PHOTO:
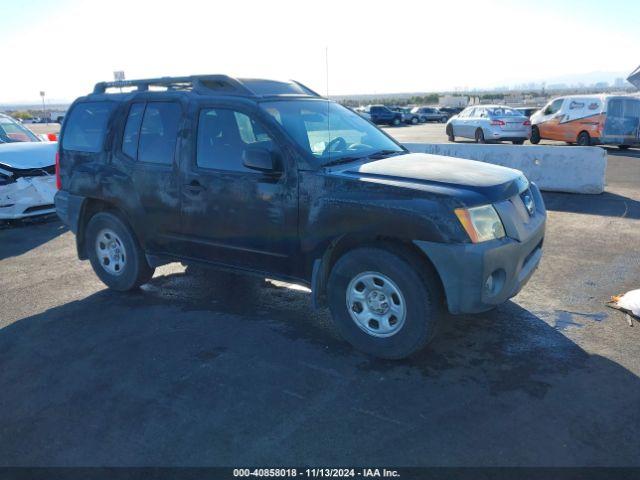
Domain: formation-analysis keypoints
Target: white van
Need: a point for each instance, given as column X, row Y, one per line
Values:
column 589, row 120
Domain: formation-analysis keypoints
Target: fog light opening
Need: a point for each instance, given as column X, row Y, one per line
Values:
column 494, row 282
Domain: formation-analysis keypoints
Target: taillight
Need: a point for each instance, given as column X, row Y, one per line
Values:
column 527, row 123
column 498, row 123
column 52, row 137
column 58, row 179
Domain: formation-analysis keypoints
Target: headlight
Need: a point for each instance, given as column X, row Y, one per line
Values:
column 481, row 223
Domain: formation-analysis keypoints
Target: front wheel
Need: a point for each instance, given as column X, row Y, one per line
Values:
column 443, row 120
column 382, row 304
column 395, row 122
column 624, row 147
column 414, row 120
column 115, row 254
column 450, row 135
column 535, row 136
column 518, row 142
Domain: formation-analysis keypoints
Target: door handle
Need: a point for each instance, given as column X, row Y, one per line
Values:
column 194, row 187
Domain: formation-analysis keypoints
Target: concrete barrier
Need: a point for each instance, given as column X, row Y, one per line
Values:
column 552, row 168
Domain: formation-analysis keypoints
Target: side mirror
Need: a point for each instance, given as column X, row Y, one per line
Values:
column 261, row 159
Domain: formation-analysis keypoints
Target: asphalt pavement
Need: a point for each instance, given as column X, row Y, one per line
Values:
column 201, row 368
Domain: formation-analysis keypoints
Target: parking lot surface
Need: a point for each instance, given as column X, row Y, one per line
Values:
column 203, row 368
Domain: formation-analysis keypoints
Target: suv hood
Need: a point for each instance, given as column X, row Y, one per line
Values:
column 468, row 178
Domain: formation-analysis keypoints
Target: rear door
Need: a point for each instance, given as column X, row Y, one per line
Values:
column 232, row 214
column 622, row 122
column 145, row 176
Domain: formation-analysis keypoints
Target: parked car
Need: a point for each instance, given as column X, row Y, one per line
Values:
column 589, row 120
column 14, row 131
column 407, row 115
column 270, row 178
column 451, row 111
column 489, row 123
column 383, row 115
column 430, row 114
column 363, row 112
column 527, row 111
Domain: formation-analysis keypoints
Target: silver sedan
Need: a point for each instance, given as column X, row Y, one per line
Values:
column 488, row 123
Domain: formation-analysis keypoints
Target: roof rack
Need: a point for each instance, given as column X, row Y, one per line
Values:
column 207, row 84
column 634, row 78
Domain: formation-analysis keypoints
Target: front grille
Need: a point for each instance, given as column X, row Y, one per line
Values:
column 532, row 252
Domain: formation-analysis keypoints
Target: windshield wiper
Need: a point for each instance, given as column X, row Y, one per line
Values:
column 384, row 153
column 341, row 160
column 374, row 156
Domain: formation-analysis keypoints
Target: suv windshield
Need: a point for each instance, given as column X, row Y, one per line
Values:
column 12, row 131
column 329, row 131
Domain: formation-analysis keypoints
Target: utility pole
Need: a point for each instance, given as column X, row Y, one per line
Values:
column 44, row 113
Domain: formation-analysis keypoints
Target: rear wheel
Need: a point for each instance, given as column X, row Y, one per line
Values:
column 382, row 304
column 414, row 120
column 624, row 147
column 450, row 135
column 115, row 254
column 480, row 136
column 517, row 142
column 584, row 139
column 535, row 135
column 443, row 120
column 395, row 122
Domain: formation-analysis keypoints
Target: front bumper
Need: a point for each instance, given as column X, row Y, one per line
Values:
column 464, row 268
column 27, row 197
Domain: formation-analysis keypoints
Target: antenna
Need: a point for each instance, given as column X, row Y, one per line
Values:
column 326, row 67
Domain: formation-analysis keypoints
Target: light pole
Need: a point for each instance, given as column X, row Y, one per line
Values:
column 44, row 113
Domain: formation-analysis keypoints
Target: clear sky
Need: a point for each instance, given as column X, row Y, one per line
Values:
column 65, row 46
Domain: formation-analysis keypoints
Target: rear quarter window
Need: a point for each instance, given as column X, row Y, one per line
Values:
column 86, row 126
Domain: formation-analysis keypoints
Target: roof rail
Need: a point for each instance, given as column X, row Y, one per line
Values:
column 307, row 89
column 200, row 83
column 634, row 78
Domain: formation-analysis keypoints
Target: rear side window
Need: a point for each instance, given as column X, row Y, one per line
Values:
column 159, row 132
column 86, row 126
column 132, row 130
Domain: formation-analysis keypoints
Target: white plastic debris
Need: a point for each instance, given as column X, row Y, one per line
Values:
column 630, row 301
column 27, row 179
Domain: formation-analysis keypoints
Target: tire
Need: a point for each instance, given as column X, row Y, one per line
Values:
column 414, row 120
column 535, row 135
column 444, row 120
column 518, row 142
column 480, row 136
column 624, row 147
column 395, row 122
column 108, row 230
column 419, row 296
column 450, row 133
column 584, row 139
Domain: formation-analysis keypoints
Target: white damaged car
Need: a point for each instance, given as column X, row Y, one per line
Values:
column 27, row 179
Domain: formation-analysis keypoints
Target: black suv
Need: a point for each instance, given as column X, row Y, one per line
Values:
column 382, row 115
column 270, row 178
